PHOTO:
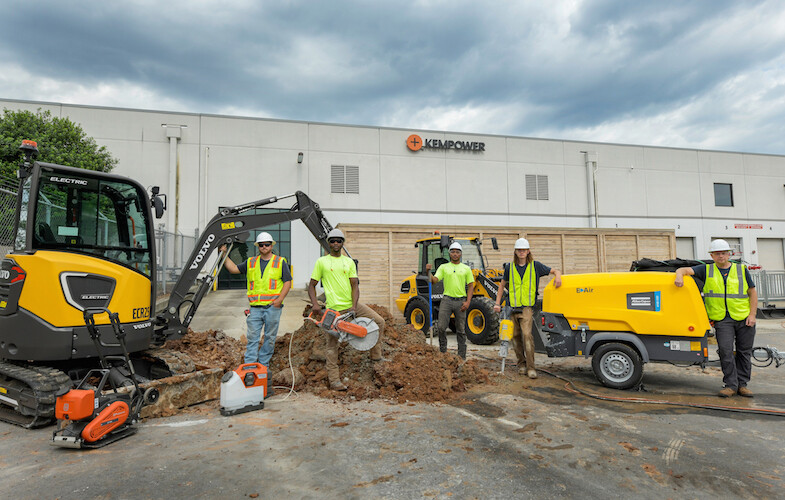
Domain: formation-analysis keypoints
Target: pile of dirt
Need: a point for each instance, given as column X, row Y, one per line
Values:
column 414, row 370
column 210, row 349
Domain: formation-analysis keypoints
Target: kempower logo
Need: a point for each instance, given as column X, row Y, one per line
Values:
column 202, row 252
column 415, row 143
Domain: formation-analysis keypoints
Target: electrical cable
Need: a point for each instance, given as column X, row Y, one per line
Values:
column 291, row 367
column 576, row 390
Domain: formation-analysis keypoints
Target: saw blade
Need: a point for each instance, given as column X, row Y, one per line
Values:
column 367, row 342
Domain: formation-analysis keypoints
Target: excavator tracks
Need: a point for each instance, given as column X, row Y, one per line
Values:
column 28, row 393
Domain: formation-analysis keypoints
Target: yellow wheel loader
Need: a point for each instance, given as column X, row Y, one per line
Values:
column 419, row 299
column 84, row 241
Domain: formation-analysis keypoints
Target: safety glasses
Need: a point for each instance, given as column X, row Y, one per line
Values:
column 265, row 244
column 335, row 240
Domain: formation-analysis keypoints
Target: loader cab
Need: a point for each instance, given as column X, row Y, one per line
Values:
column 433, row 252
column 85, row 212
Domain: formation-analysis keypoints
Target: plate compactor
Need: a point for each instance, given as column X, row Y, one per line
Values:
column 104, row 407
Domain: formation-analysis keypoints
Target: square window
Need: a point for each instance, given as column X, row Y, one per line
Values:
column 723, row 195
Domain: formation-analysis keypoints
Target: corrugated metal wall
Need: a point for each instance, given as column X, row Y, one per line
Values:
column 387, row 255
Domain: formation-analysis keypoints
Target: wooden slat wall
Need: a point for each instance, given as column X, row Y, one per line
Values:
column 373, row 254
column 387, row 254
column 618, row 250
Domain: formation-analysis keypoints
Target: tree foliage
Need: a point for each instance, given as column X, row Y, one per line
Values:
column 59, row 141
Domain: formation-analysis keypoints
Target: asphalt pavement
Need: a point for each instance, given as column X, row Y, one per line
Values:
column 515, row 438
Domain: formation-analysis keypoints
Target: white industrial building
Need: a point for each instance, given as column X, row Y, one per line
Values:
column 383, row 176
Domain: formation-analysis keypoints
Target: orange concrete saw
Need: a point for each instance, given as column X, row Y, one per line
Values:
column 361, row 333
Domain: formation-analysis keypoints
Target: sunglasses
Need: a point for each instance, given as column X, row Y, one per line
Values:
column 335, row 240
column 265, row 244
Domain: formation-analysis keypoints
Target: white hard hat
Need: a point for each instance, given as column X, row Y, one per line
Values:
column 336, row 233
column 456, row 246
column 719, row 246
column 521, row 243
column 265, row 237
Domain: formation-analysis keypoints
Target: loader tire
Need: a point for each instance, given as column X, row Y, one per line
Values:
column 482, row 322
column 617, row 365
column 417, row 314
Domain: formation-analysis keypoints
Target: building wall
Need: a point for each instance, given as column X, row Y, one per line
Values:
column 225, row 160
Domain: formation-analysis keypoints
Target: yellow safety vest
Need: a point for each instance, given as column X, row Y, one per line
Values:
column 523, row 289
column 265, row 287
column 717, row 293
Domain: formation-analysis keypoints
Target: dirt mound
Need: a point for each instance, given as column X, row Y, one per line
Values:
column 210, row 349
column 415, row 371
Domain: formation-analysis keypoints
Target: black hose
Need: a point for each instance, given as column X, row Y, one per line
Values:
column 575, row 389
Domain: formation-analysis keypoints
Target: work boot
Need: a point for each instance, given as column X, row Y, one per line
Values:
column 532, row 373
column 743, row 391
column 522, row 370
column 726, row 392
column 338, row 386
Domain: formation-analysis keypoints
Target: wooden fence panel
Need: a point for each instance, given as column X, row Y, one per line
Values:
column 618, row 250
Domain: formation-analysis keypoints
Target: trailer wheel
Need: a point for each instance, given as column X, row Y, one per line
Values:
column 482, row 322
column 417, row 315
column 617, row 365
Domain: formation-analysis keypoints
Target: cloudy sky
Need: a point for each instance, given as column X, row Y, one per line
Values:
column 703, row 74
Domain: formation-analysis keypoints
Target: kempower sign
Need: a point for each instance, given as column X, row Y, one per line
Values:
column 415, row 143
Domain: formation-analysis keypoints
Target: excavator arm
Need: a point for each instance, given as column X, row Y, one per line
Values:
column 229, row 226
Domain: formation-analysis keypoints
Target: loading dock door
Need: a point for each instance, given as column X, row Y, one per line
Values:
column 685, row 248
column 770, row 254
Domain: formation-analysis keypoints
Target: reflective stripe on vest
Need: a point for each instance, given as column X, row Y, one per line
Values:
column 522, row 289
column 265, row 287
column 717, row 292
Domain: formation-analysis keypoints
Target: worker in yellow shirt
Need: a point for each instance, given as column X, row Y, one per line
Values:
column 338, row 275
column 458, row 282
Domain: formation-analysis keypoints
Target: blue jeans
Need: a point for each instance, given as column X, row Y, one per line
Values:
column 267, row 317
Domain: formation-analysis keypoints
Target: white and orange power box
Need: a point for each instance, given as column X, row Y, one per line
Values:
column 243, row 389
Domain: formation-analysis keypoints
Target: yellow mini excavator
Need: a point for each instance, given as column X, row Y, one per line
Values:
column 84, row 241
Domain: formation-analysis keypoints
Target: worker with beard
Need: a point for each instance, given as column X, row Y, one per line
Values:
column 268, row 282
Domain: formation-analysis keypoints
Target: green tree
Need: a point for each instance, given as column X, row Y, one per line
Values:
column 59, row 141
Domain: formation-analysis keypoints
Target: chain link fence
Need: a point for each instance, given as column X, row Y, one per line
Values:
column 8, row 189
column 172, row 250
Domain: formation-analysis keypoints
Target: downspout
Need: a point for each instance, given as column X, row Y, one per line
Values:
column 590, row 161
column 174, row 133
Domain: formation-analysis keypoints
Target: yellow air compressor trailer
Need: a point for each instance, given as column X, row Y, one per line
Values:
column 623, row 320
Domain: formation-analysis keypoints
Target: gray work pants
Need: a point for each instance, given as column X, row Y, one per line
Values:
column 447, row 307
column 736, row 368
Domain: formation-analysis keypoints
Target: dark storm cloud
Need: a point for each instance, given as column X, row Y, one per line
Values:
column 509, row 67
